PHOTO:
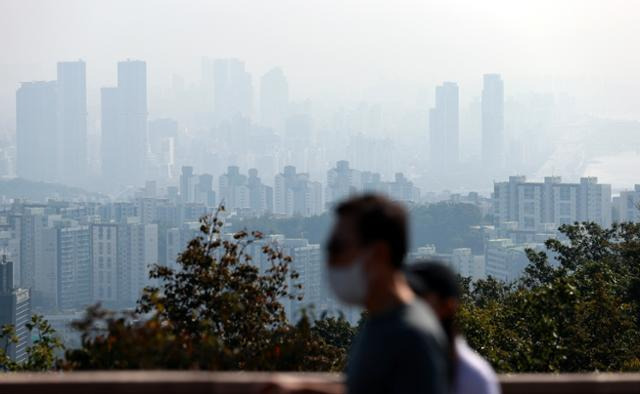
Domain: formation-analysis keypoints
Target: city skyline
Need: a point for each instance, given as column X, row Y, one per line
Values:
column 275, row 185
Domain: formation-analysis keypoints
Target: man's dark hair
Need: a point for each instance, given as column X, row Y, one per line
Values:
column 428, row 276
column 378, row 219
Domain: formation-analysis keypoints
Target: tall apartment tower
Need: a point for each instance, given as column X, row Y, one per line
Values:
column 493, row 123
column 124, row 125
column 15, row 309
column 187, row 184
column 121, row 255
column 295, row 194
column 342, row 182
column 629, row 205
column 132, row 83
column 274, row 99
column 234, row 192
column 74, row 267
column 36, row 131
column 113, row 161
column 232, row 90
column 444, row 128
column 72, row 122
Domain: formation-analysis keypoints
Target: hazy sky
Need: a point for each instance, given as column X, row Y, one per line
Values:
column 338, row 48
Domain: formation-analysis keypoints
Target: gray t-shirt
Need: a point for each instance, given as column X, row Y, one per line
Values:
column 401, row 351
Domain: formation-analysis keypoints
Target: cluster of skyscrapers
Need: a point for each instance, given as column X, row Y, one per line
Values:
column 51, row 126
column 69, row 258
column 525, row 215
column 52, row 142
column 444, row 127
column 62, row 256
column 292, row 194
column 70, row 255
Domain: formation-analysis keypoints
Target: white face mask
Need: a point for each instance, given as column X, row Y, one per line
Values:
column 349, row 283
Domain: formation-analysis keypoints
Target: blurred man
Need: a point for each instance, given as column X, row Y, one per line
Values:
column 438, row 285
column 401, row 348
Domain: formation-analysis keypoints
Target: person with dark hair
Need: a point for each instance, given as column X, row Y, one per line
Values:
column 438, row 285
column 401, row 347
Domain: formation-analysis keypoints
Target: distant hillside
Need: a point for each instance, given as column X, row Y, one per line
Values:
column 42, row 191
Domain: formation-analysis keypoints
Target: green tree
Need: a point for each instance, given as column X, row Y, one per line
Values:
column 41, row 354
column 218, row 311
column 582, row 314
column 446, row 225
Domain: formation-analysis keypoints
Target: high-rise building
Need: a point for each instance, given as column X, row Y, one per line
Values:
column 493, row 123
column 74, row 267
column 233, row 90
column 106, row 252
column 141, row 245
column 505, row 261
column 260, row 195
column 163, row 134
column 187, row 184
column 401, row 189
column 204, row 190
column 444, row 128
column 124, row 125
column 629, row 205
column 177, row 239
column 15, row 309
column 296, row 194
column 37, row 131
column 342, row 182
column 121, row 258
column 274, row 99
column 114, row 164
column 534, row 204
column 72, row 122
column 132, row 84
column 234, row 193
column 307, row 262
column 38, row 256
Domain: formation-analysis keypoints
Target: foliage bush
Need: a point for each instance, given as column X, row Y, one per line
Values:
column 582, row 314
column 219, row 312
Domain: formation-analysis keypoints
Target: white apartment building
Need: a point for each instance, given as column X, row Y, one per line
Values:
column 296, row 194
column 104, row 261
column 629, row 205
column 505, row 260
column 532, row 204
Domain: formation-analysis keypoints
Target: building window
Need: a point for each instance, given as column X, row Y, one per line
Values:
column 529, row 208
column 631, row 202
column 529, row 223
column 529, row 192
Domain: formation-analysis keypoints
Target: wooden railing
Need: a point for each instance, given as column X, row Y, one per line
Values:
column 192, row 382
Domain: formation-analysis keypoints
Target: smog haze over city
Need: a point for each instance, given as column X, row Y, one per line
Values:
column 359, row 79
column 135, row 135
